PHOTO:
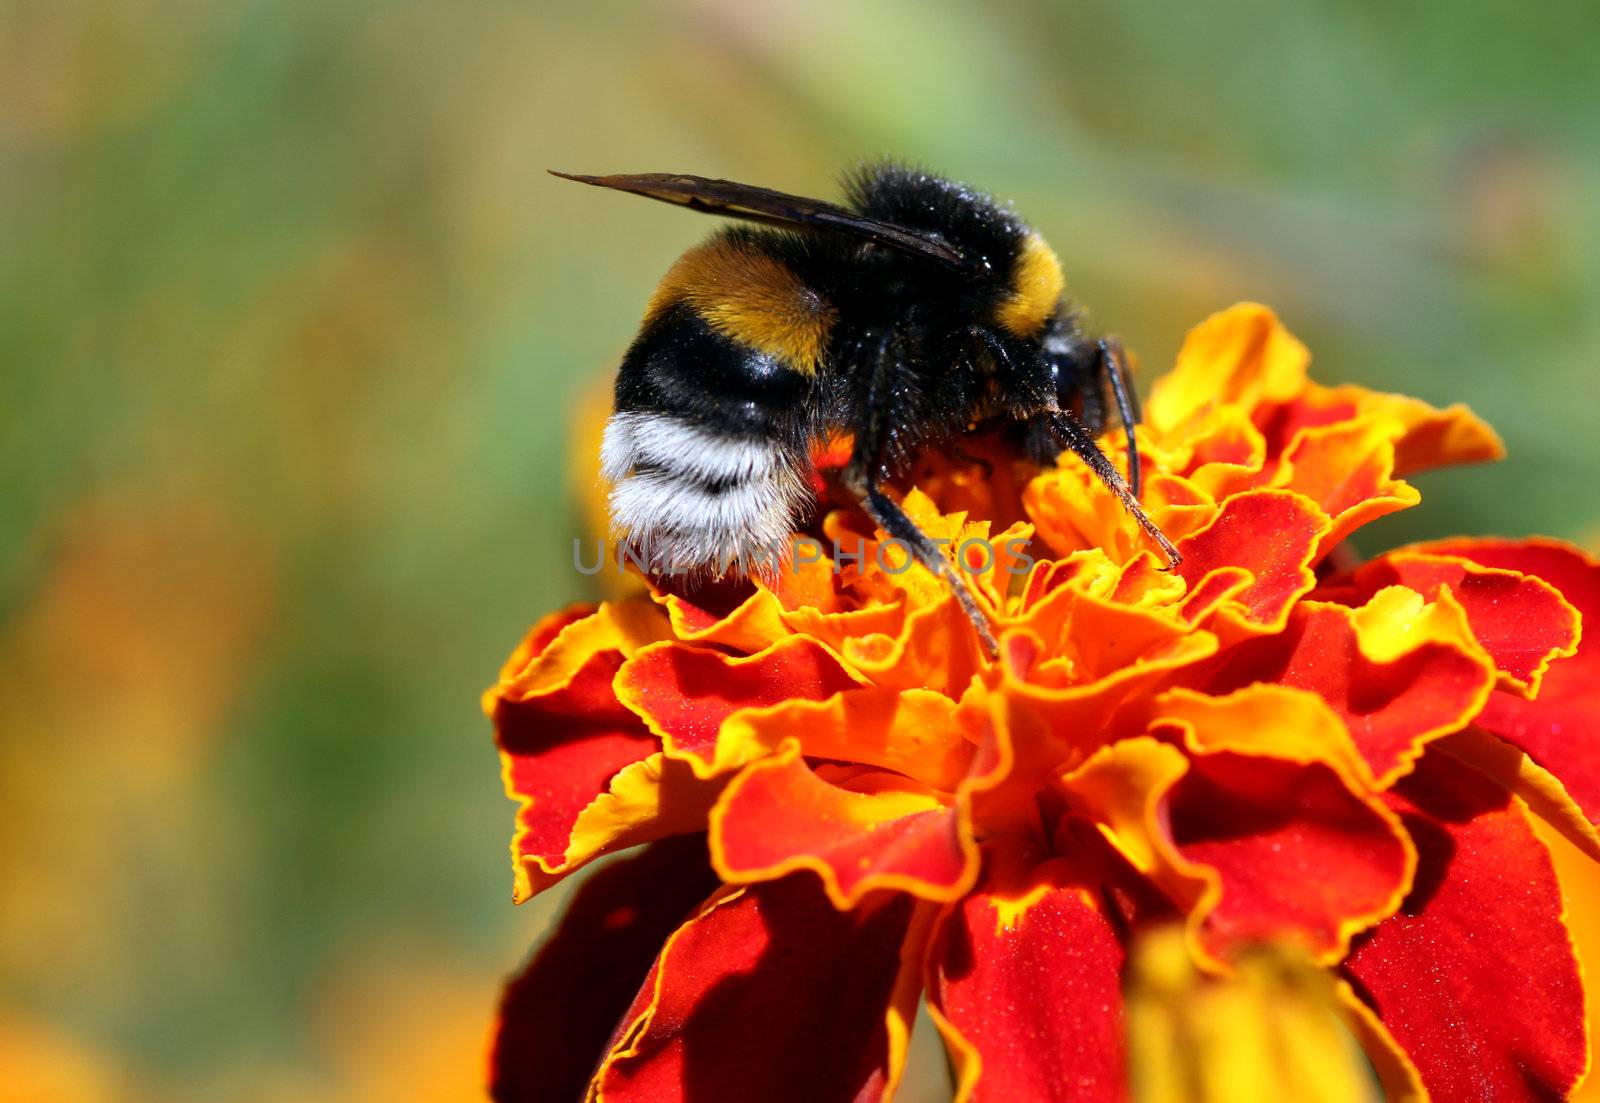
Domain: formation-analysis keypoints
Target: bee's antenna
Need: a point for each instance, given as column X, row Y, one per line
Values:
column 1115, row 365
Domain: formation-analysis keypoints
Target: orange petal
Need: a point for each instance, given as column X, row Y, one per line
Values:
column 1089, row 626
column 1431, row 437
column 875, row 831
column 651, row 799
column 539, row 638
column 935, row 648
column 837, row 627
column 914, row 732
column 558, row 645
column 1277, row 721
column 752, row 625
column 772, row 993
column 1071, row 511
column 1046, row 720
column 1229, row 456
column 807, row 582
column 1242, row 356
column 1024, row 982
column 1124, row 790
column 685, row 693
column 1347, row 469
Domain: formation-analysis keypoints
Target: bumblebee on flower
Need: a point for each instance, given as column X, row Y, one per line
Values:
column 851, row 807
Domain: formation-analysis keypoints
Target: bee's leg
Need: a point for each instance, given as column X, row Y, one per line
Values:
column 875, row 438
column 1077, row 438
column 888, row 516
column 1114, row 363
column 1092, row 414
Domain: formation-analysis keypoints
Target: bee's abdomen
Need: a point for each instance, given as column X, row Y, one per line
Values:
column 738, row 283
column 705, row 450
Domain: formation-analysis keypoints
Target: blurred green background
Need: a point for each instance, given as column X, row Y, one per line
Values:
column 292, row 321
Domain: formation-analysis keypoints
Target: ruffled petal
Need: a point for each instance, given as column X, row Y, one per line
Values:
column 1521, row 621
column 1560, row 727
column 1268, row 831
column 1430, row 437
column 1264, row 540
column 868, row 830
column 1298, row 857
column 1348, row 469
column 752, row 625
column 1053, row 700
column 1475, row 976
column 1024, row 982
column 769, row 992
column 1397, row 672
column 914, row 732
column 1124, row 790
column 558, row 1014
column 685, row 693
column 651, row 799
column 1242, row 356
column 934, row 648
column 563, row 736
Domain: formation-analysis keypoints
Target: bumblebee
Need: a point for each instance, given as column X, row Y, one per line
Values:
column 915, row 312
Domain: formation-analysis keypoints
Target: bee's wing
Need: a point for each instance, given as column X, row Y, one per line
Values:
column 775, row 208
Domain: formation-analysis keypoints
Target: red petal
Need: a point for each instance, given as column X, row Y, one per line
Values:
column 1347, row 469
column 1298, row 855
column 560, row 748
column 1560, row 728
column 1432, row 687
column 685, row 693
column 1475, row 976
column 1285, row 423
column 560, row 1011
column 1521, row 621
column 771, row 993
column 1271, row 533
column 1024, row 981
column 875, row 831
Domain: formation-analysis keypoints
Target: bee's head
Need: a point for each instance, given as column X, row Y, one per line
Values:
column 1068, row 367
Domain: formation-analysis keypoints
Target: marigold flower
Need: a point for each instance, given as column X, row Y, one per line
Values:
column 850, row 807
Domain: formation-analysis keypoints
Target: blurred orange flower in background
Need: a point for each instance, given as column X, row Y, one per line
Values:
column 851, row 808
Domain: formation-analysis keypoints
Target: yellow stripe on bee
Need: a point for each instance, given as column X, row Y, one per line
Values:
column 1036, row 288
column 751, row 297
